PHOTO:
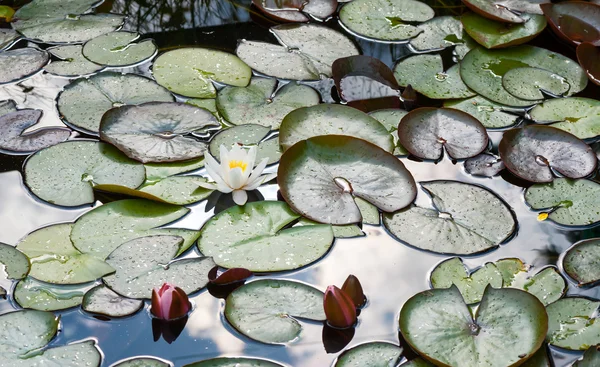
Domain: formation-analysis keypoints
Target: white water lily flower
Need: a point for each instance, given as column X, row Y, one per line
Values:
column 236, row 172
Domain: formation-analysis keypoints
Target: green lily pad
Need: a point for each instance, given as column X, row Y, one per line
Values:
column 209, row 104
column 72, row 63
column 541, row 358
column 455, row 225
column 158, row 171
column 374, row 354
column 307, row 52
column 157, row 131
column 437, row 34
column 260, row 104
column 332, row 119
column 25, row 333
column 508, row 327
column 539, row 81
column 369, row 212
column 101, row 230
column 102, row 300
column 573, row 323
column 16, row 264
column 117, row 49
column 390, row 118
column 485, row 165
column 253, row 237
column 55, row 22
column 7, row 106
column 425, row 73
column 385, row 20
column 14, row 140
column 581, row 262
column 234, row 362
column 8, row 38
column 84, row 101
column 568, row 202
column 494, row 34
column 454, row 272
column 155, row 266
column 508, row 11
column 190, row 71
column 55, row 260
column 535, row 151
column 428, row 131
column 143, row 362
column 590, row 358
column 320, row 177
column 576, row 115
column 21, row 64
column 64, row 174
column 483, row 70
column 248, row 135
column 33, row 294
column 489, row 113
column 265, row 310
column 417, row 362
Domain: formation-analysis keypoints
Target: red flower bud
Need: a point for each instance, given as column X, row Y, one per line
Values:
column 353, row 289
column 339, row 308
column 169, row 302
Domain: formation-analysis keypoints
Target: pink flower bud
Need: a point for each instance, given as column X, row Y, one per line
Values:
column 169, row 302
column 353, row 288
column 339, row 308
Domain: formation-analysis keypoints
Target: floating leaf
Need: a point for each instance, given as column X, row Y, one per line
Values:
column 587, row 54
column 293, row 10
column 154, row 265
column 16, row 264
column 101, row 230
column 437, row 34
column 253, row 237
column 73, row 64
column 591, row 358
column 569, row 202
column 374, row 354
column 505, row 10
column 483, row 70
column 390, row 118
column 265, row 310
column 575, row 22
column 581, row 262
column 103, row 301
column 7, row 107
column 363, row 77
column 24, row 335
column 260, row 104
column 489, row 113
column 307, row 52
column 543, row 82
column 417, row 362
column 494, row 34
column 385, row 20
column 573, row 323
column 248, row 135
column 15, row 140
column 234, row 362
column 36, row 295
column 229, row 276
column 426, row 132
column 143, row 362
column 84, row 101
column 64, row 174
column 55, row 260
column 508, row 327
column 8, row 38
column 49, row 21
column 190, row 71
column 484, row 164
column 320, row 177
column 455, row 225
column 425, row 73
column 158, row 171
column 576, row 115
column 535, row 151
column 157, row 131
column 331, row 119
column 117, row 49
column 21, row 63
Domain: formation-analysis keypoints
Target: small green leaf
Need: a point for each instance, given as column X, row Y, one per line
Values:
column 573, row 323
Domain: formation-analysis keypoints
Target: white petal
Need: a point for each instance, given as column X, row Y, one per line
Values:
column 258, row 171
column 213, row 169
column 225, row 157
column 223, row 153
column 240, row 197
column 262, row 179
column 225, row 189
column 236, row 178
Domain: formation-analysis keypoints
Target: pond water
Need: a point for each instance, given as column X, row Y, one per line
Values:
column 390, row 271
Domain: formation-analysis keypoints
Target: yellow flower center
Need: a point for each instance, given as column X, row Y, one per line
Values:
column 238, row 164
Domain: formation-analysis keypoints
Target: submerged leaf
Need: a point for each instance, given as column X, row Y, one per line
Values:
column 581, row 262
column 14, row 139
column 117, row 49
column 21, row 63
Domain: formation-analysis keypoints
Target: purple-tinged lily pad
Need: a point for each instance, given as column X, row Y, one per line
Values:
column 101, row 300
column 574, row 21
column 581, row 262
column 534, row 152
column 588, row 56
column 485, row 165
column 15, row 140
column 576, row 115
column 294, row 10
column 364, row 77
column 22, row 63
column 494, row 34
column 426, row 132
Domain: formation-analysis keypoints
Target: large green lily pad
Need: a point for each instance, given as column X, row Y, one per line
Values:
column 581, row 262
column 64, row 174
column 425, row 73
column 437, row 34
column 540, row 82
column 21, row 63
column 573, row 323
column 267, row 144
column 332, row 119
column 14, row 262
column 373, row 354
column 494, row 34
column 320, row 177
column 190, row 71
column 508, row 327
column 253, row 237
column 385, row 20
column 143, row 362
column 456, row 224
column 101, row 230
column 508, row 11
column 569, row 202
column 72, row 63
column 14, row 139
column 576, row 115
column 102, row 300
column 390, row 118
column 234, row 362
column 117, row 49
column 33, row 294
column 154, row 266
column 159, row 171
column 489, row 113
column 55, row 260
column 84, row 101
column 265, row 310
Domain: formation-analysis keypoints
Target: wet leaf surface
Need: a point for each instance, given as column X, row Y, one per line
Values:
column 21, row 63
column 505, row 10
column 573, row 323
column 36, row 295
column 14, row 139
column 72, row 63
column 437, row 34
column 143, row 362
column 373, row 354
column 494, row 34
column 390, row 118
column 248, row 135
column 543, row 83
column 118, row 49
column 490, row 114
column 581, row 261
column 576, row 115
column 485, row 165
column 587, row 54
column 575, row 22
column 363, row 77
column 234, row 362
column 16, row 264
column 103, row 301
column 292, row 10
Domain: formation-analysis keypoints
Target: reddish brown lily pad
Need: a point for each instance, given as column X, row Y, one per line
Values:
column 588, row 56
column 229, row 276
column 364, row 77
column 296, row 10
column 574, row 21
